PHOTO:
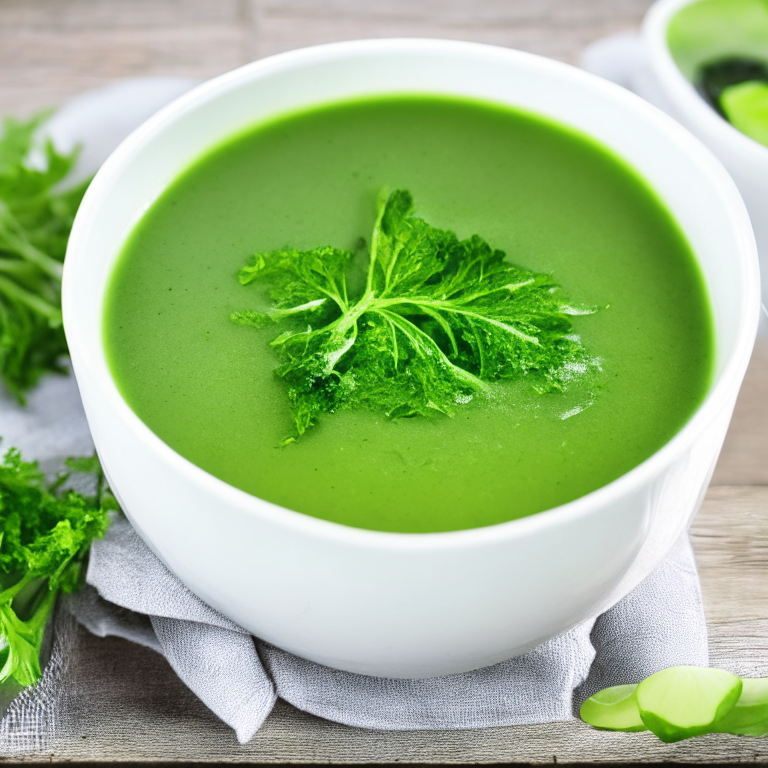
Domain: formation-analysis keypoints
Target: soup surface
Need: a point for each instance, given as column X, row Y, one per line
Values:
column 552, row 199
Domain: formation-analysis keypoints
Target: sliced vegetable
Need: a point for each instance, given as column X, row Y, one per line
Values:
column 680, row 702
column 613, row 709
column 749, row 715
column 746, row 107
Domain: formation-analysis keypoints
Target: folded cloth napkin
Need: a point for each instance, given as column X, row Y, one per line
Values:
column 133, row 595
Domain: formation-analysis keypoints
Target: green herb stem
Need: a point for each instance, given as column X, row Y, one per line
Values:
column 438, row 320
column 45, row 533
column 35, row 220
column 31, row 300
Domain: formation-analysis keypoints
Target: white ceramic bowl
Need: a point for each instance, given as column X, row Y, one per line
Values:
column 405, row 605
column 659, row 80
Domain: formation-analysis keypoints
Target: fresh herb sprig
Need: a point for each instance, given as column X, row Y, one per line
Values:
column 45, row 532
column 35, row 221
column 438, row 319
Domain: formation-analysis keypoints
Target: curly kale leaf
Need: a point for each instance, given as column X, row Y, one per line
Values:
column 35, row 221
column 439, row 318
column 45, row 533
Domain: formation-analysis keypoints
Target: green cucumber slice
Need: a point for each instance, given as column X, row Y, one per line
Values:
column 680, row 702
column 749, row 715
column 746, row 107
column 613, row 709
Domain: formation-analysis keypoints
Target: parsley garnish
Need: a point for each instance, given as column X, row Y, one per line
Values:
column 35, row 220
column 438, row 319
column 45, row 533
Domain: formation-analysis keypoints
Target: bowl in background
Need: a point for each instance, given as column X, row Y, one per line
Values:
column 667, row 83
column 409, row 605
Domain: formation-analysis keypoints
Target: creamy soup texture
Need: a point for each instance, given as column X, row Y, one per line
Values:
column 552, row 199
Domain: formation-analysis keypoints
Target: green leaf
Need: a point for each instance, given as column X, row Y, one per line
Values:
column 613, row 709
column 438, row 320
column 45, row 533
column 35, row 220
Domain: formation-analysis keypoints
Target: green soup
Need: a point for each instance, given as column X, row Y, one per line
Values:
column 552, row 199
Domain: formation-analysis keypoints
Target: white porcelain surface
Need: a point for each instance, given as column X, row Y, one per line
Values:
column 397, row 604
column 659, row 80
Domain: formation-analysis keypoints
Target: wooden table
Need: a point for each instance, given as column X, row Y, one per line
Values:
column 51, row 50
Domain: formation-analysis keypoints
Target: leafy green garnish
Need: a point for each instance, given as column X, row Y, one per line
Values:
column 45, row 532
column 437, row 319
column 35, row 221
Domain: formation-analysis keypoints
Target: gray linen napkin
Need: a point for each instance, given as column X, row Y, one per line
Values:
column 133, row 595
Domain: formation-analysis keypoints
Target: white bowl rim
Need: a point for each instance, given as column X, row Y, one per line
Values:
column 717, row 398
column 678, row 89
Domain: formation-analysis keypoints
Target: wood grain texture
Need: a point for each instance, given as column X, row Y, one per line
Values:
column 548, row 27
column 730, row 537
column 52, row 49
column 67, row 15
column 744, row 458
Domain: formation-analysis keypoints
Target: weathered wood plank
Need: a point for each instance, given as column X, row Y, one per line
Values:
column 113, row 14
column 550, row 28
column 51, row 51
column 121, row 52
column 161, row 718
column 730, row 536
column 744, row 459
column 291, row 736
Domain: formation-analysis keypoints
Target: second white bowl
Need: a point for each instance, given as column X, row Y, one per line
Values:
column 403, row 605
column 659, row 80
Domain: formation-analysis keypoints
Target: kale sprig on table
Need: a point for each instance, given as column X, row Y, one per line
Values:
column 35, row 221
column 438, row 319
column 45, row 532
